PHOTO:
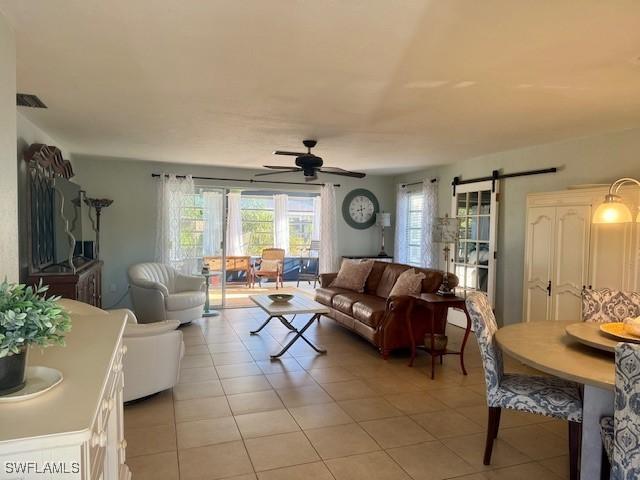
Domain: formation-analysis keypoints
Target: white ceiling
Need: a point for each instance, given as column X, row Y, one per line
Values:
column 386, row 86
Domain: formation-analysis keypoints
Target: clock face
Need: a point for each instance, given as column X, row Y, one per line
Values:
column 359, row 208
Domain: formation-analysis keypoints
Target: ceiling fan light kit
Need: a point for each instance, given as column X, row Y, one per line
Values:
column 309, row 164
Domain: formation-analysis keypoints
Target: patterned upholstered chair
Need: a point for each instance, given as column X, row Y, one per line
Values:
column 547, row 396
column 604, row 305
column 621, row 433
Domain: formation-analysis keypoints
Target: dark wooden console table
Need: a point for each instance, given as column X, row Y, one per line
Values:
column 437, row 305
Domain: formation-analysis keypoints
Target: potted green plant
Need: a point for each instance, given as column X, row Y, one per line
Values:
column 27, row 317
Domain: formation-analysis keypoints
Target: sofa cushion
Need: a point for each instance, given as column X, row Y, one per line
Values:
column 369, row 310
column 353, row 275
column 344, row 301
column 184, row 300
column 325, row 295
column 409, row 283
column 374, row 277
column 391, row 273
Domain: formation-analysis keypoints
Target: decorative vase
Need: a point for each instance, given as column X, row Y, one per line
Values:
column 439, row 342
column 12, row 372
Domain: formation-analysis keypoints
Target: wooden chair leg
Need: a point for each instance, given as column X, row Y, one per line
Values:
column 575, row 442
column 492, row 432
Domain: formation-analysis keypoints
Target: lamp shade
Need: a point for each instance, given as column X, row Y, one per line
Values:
column 383, row 219
column 612, row 210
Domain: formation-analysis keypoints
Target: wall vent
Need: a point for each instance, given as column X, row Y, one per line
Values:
column 27, row 100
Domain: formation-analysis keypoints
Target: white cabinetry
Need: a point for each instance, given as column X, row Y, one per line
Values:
column 565, row 252
column 74, row 431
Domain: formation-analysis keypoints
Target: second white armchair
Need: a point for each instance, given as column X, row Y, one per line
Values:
column 159, row 292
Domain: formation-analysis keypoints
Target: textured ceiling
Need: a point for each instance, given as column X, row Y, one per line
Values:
column 384, row 86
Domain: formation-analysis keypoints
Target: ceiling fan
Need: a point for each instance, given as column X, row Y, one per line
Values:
column 309, row 164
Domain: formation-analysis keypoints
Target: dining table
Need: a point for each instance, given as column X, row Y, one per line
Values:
column 574, row 351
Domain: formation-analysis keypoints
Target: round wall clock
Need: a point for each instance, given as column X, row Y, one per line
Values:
column 359, row 208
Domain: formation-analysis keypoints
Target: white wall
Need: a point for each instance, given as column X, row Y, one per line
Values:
column 128, row 226
column 597, row 159
column 8, row 167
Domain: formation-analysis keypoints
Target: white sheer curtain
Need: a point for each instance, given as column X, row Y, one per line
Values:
column 213, row 211
column 172, row 238
column 281, row 221
column 328, row 230
column 429, row 253
column 401, row 243
column 317, row 215
column 234, row 224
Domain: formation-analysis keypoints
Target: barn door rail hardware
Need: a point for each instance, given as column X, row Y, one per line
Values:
column 496, row 175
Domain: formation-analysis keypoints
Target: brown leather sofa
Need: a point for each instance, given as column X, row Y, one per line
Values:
column 381, row 319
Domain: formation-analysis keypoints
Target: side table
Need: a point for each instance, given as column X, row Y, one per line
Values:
column 437, row 305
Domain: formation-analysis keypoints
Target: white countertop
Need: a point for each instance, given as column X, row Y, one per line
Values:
column 84, row 363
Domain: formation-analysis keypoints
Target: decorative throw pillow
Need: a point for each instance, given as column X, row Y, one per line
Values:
column 269, row 265
column 408, row 283
column 353, row 275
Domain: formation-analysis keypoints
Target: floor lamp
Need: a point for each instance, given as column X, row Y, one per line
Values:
column 612, row 210
column 446, row 232
column 383, row 219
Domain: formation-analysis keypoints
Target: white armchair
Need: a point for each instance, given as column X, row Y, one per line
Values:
column 159, row 292
column 154, row 351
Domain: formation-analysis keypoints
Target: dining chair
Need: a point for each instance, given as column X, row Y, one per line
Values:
column 604, row 305
column 621, row 433
column 269, row 265
column 549, row 396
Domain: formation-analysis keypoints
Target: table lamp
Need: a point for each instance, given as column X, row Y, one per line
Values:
column 446, row 232
column 384, row 220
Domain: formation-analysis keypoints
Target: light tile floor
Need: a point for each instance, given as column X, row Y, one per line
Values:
column 344, row 415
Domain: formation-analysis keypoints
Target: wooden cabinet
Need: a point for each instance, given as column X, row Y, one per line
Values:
column 85, row 285
column 565, row 252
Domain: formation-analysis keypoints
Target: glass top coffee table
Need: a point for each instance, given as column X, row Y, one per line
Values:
column 298, row 305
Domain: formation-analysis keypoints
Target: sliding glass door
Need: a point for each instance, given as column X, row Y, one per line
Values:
column 212, row 205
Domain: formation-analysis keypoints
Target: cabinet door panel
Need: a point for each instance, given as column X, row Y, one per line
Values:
column 571, row 257
column 538, row 262
column 610, row 254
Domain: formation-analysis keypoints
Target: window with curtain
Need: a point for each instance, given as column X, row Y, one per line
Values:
column 301, row 223
column 416, row 210
column 414, row 228
column 258, row 216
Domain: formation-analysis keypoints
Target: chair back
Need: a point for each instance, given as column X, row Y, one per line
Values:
column 485, row 327
column 605, row 305
column 625, row 462
column 273, row 254
column 154, row 272
column 314, row 248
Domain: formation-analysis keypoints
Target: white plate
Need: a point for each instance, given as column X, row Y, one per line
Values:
column 39, row 380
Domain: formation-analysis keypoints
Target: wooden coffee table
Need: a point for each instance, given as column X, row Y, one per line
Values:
column 298, row 305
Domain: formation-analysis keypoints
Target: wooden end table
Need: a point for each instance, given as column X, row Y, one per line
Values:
column 438, row 305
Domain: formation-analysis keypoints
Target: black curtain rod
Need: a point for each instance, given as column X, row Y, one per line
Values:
column 433, row 180
column 250, row 180
column 496, row 175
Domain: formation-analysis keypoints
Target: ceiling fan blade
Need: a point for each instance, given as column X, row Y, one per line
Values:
column 340, row 171
column 278, row 167
column 293, row 154
column 291, row 170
